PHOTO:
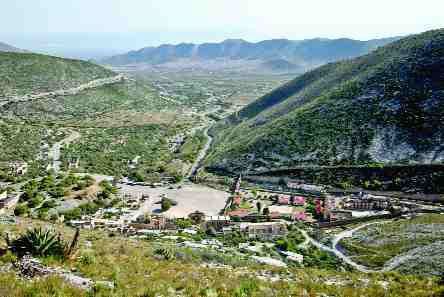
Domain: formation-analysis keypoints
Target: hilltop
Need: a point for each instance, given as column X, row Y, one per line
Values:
column 9, row 48
column 384, row 107
column 277, row 55
column 25, row 73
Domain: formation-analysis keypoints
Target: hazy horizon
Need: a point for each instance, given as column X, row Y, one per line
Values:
column 90, row 29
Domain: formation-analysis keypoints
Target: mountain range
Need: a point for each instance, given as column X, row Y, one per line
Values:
column 385, row 107
column 277, row 55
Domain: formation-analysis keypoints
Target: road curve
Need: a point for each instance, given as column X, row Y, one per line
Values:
column 337, row 253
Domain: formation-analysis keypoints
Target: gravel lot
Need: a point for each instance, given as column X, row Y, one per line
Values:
column 190, row 197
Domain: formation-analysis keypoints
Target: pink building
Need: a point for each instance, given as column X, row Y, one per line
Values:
column 284, row 200
column 298, row 200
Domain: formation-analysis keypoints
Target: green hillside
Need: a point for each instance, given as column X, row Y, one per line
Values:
column 384, row 107
column 117, row 107
column 24, row 73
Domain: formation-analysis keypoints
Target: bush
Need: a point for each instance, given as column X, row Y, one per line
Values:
column 87, row 259
column 21, row 209
column 166, row 204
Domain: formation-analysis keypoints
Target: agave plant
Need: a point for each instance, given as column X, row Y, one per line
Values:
column 41, row 243
column 166, row 253
column 37, row 242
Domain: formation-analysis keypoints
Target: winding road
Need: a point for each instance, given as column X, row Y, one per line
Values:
column 334, row 249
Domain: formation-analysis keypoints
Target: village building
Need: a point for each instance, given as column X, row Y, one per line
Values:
column 298, row 200
column 299, row 216
column 266, row 230
column 73, row 163
column 15, row 167
column 240, row 213
column 284, row 200
column 156, row 222
column 217, row 222
column 338, row 215
column 300, row 186
column 368, row 202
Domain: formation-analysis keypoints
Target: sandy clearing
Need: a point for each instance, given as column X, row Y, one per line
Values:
column 190, row 197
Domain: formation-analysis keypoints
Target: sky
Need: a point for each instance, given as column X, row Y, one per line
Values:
column 100, row 27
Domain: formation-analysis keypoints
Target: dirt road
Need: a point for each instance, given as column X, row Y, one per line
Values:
column 64, row 92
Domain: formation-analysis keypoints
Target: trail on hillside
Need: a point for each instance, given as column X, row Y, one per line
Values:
column 63, row 92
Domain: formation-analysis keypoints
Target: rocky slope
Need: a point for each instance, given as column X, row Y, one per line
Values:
column 387, row 106
column 278, row 55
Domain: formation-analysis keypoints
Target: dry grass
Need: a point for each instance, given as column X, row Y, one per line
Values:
column 131, row 264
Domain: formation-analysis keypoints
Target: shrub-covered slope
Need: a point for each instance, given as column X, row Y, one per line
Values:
column 387, row 106
column 25, row 73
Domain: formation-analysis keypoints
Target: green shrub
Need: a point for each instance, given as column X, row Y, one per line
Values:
column 166, row 204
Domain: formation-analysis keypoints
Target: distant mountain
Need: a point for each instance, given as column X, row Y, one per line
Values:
column 387, row 106
column 275, row 55
column 8, row 48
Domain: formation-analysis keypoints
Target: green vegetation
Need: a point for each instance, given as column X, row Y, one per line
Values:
column 377, row 244
column 109, row 151
column 22, row 74
column 110, row 105
column 340, row 114
column 136, row 270
column 42, row 243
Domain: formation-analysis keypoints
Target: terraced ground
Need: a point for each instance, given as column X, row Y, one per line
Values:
column 412, row 246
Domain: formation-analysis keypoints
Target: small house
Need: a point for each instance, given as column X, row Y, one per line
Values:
column 283, row 200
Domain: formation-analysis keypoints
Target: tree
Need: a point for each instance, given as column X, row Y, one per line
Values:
column 21, row 209
column 259, row 206
column 166, row 204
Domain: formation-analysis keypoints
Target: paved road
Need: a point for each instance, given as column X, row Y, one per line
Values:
column 201, row 155
column 337, row 253
column 349, row 233
column 54, row 152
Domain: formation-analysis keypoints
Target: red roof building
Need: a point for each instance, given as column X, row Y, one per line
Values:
column 241, row 212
